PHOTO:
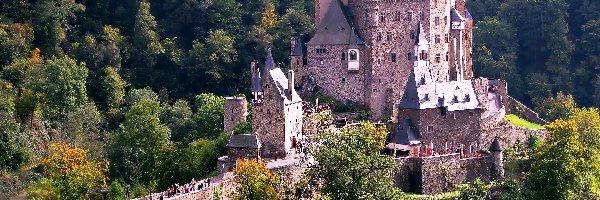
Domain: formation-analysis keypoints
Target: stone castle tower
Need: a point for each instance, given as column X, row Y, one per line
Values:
column 277, row 113
column 363, row 50
column 235, row 112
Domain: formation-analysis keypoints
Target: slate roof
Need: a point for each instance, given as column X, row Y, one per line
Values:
column 422, row 92
column 256, row 86
column 421, row 36
column 281, row 82
column 335, row 28
column 406, row 136
column 455, row 16
column 299, row 48
column 468, row 15
column 244, row 141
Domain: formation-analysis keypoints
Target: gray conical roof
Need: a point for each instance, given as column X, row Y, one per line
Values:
column 335, row 28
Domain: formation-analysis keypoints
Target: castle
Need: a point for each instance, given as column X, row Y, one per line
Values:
column 363, row 50
column 410, row 62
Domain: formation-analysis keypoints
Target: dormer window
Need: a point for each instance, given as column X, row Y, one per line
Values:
column 426, row 97
column 467, row 98
column 353, row 55
column 422, row 80
column 455, row 99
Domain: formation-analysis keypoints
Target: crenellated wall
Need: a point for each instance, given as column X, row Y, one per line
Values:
column 438, row 174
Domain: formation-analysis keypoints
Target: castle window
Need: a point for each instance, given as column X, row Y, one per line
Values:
column 438, row 58
column 437, row 21
column 446, row 37
column 423, row 55
column 446, row 56
column 409, row 16
column 394, row 57
column 321, row 50
column 389, row 36
column 379, row 80
column 378, row 36
column 409, row 57
column 453, row 115
column 343, row 55
column 471, row 114
column 382, row 17
column 438, row 39
column 421, row 15
column 397, row 16
column 321, row 62
column 423, row 83
column 412, row 34
column 467, row 98
column 353, row 55
column 343, row 80
column 430, row 129
column 304, row 61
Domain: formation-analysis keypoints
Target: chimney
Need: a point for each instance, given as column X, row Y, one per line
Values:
column 252, row 71
column 290, row 82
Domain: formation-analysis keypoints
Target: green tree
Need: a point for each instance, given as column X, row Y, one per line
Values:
column 146, row 41
column 178, row 117
column 495, row 44
column 478, row 190
column 15, row 42
column 116, row 191
column 83, row 127
column 254, row 181
column 113, row 87
column 11, row 155
column 63, row 84
column 136, row 143
column 214, row 57
column 560, row 107
column 209, row 116
column 137, row 95
column 51, row 23
column 567, row 165
column 351, row 165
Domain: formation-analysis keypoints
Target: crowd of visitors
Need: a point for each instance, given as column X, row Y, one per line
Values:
column 177, row 190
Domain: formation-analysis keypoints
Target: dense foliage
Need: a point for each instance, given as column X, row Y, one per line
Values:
column 108, row 75
column 351, row 166
column 254, row 181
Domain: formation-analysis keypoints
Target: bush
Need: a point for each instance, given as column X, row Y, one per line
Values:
column 478, row 190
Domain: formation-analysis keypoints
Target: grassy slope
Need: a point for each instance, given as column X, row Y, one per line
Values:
column 517, row 121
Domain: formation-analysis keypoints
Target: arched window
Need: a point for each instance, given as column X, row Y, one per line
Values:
column 343, row 55
column 353, row 55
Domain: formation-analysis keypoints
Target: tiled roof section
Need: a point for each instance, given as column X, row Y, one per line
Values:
column 335, row 29
column 455, row 15
column 269, row 62
column 298, row 49
column 244, row 141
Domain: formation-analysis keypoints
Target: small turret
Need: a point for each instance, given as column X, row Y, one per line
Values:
column 497, row 164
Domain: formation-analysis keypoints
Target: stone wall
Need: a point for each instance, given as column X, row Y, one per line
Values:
column 517, row 108
column 494, row 120
column 331, row 74
column 441, row 128
column 438, row 174
column 235, row 112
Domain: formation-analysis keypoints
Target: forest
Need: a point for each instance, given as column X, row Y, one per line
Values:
column 132, row 90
